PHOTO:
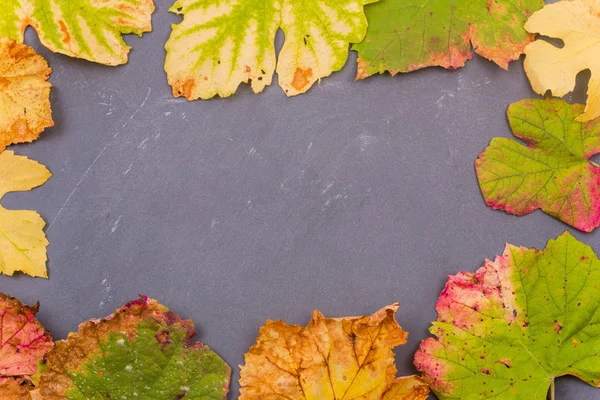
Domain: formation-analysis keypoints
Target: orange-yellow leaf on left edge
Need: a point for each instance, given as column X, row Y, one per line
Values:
column 24, row 93
column 330, row 358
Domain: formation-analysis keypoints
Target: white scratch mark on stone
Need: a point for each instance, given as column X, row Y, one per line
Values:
column 135, row 112
column 76, row 187
column 128, row 169
column 105, row 292
column 327, row 188
column 143, row 143
column 115, row 225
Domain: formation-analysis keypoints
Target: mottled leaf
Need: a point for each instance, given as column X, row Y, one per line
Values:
column 23, row 342
column 552, row 172
column 24, row 93
column 406, row 35
column 221, row 44
column 509, row 329
column 548, row 67
column 88, row 29
column 330, row 358
column 141, row 351
column 22, row 242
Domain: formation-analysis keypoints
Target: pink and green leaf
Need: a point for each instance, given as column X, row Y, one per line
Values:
column 406, row 35
column 553, row 172
column 509, row 329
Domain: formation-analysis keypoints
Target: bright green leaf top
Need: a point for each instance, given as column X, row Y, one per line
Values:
column 553, row 173
column 141, row 352
column 509, row 329
column 406, row 35
column 89, row 29
column 221, row 44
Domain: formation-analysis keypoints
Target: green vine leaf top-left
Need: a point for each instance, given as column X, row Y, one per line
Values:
column 88, row 29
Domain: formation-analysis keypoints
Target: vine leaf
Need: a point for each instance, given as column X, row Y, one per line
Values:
column 330, row 358
column 24, row 341
column 22, row 240
column 509, row 329
column 553, row 172
column 88, row 29
column 577, row 24
column 220, row 44
column 24, row 93
column 143, row 351
column 406, row 35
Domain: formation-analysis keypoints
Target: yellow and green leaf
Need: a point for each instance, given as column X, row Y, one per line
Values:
column 88, row 29
column 220, row 44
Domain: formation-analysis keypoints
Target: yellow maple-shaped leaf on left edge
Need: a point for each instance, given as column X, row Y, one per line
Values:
column 22, row 239
column 24, row 93
column 330, row 358
column 577, row 24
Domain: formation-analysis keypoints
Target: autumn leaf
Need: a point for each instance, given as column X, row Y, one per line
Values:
column 553, row 172
column 23, row 342
column 577, row 24
column 22, row 242
column 509, row 329
column 221, row 44
column 406, row 35
column 24, row 93
column 88, row 29
column 143, row 351
column 330, row 358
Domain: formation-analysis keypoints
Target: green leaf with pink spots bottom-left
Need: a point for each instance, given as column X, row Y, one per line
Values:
column 508, row 330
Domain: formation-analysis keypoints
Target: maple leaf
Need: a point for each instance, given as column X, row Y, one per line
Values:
column 577, row 23
column 143, row 351
column 509, row 329
column 406, row 35
column 220, row 44
column 23, row 342
column 553, row 173
column 24, row 93
column 22, row 240
column 88, row 29
column 330, row 358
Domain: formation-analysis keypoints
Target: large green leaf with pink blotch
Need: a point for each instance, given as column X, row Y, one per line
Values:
column 509, row 329
column 406, row 35
column 88, row 29
column 553, row 172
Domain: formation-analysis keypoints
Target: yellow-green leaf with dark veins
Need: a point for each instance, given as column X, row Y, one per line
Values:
column 222, row 43
column 142, row 351
column 553, row 173
column 406, row 35
column 88, row 29
column 508, row 330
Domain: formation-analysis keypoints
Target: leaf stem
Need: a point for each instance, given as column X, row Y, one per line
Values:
column 552, row 390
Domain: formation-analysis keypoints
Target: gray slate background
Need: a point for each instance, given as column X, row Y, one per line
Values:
column 255, row 207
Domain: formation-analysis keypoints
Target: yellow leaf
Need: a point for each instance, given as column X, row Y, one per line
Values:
column 22, row 240
column 24, row 93
column 577, row 24
column 330, row 358
column 15, row 388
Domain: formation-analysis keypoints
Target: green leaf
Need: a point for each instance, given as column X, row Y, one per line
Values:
column 220, row 44
column 553, row 173
column 88, row 29
column 509, row 329
column 142, row 351
column 406, row 35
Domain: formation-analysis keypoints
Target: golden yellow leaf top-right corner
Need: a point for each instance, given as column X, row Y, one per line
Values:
column 548, row 67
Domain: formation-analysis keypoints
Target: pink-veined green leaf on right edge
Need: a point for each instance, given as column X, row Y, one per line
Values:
column 508, row 330
column 406, row 35
column 551, row 171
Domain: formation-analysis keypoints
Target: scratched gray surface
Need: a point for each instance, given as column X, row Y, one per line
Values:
column 345, row 199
